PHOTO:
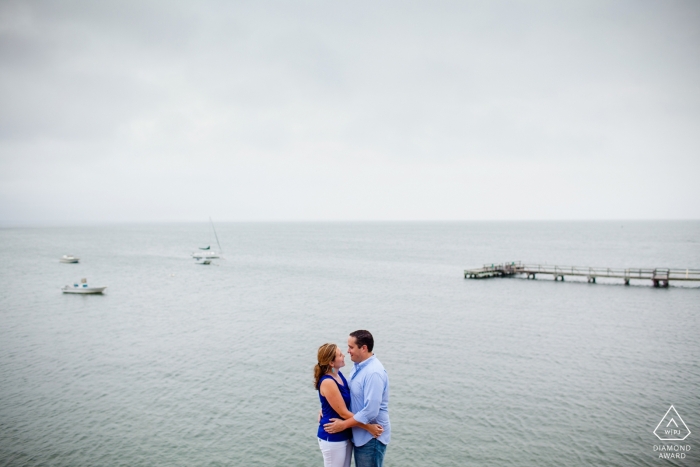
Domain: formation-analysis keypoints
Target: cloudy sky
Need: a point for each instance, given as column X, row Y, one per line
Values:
column 151, row 111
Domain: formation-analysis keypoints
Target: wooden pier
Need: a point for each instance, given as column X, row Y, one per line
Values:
column 660, row 277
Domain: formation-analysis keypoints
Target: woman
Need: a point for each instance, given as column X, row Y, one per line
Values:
column 334, row 393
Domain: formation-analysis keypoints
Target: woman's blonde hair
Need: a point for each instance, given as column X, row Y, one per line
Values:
column 326, row 355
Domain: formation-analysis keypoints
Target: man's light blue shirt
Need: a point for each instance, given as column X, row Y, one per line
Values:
column 369, row 392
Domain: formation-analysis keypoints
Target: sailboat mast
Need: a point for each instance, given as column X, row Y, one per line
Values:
column 217, row 237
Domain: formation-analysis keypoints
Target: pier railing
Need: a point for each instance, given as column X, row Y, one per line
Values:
column 660, row 277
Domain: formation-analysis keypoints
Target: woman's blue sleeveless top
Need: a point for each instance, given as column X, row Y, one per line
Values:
column 329, row 413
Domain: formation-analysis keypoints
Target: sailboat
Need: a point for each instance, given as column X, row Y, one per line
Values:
column 206, row 255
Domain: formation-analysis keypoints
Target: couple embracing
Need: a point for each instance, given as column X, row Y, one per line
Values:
column 354, row 411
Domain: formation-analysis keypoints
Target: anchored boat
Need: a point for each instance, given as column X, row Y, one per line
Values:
column 83, row 288
column 206, row 255
column 69, row 259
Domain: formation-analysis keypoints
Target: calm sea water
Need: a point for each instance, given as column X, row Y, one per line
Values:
column 180, row 364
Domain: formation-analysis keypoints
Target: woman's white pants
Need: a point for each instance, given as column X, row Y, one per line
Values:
column 336, row 453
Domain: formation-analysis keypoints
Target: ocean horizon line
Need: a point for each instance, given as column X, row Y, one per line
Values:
column 44, row 224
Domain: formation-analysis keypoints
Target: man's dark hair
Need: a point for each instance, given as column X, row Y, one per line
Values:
column 363, row 337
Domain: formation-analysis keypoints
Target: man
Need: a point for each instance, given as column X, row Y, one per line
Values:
column 369, row 392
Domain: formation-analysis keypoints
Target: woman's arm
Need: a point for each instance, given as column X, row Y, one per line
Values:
column 330, row 391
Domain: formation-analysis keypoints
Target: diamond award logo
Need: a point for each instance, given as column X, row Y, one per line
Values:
column 671, row 427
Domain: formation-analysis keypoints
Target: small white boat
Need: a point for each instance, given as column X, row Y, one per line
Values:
column 205, row 258
column 83, row 288
column 69, row 259
column 207, row 254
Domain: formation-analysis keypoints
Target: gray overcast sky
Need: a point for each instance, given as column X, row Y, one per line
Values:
column 174, row 111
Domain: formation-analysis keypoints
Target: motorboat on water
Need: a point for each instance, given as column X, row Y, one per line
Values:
column 206, row 255
column 82, row 288
column 69, row 259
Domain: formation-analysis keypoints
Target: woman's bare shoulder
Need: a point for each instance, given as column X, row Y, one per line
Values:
column 328, row 385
